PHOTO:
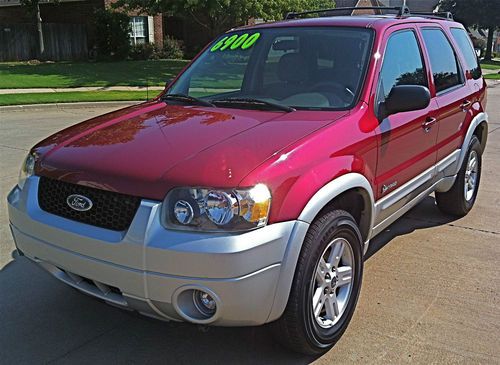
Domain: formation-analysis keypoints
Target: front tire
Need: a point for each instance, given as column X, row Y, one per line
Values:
column 460, row 199
column 326, row 285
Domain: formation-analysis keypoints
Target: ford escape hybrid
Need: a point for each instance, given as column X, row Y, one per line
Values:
column 247, row 192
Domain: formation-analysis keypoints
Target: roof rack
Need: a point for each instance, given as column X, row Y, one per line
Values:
column 438, row 15
column 402, row 10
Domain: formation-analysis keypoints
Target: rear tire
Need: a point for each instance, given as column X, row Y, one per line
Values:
column 326, row 285
column 460, row 199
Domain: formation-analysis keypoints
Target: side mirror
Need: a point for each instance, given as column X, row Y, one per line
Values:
column 404, row 98
column 167, row 83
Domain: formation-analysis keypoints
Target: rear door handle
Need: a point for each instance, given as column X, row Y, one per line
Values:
column 429, row 122
column 465, row 104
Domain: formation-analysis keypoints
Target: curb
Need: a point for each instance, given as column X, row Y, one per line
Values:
column 98, row 104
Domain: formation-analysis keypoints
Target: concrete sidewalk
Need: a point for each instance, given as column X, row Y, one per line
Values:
column 73, row 89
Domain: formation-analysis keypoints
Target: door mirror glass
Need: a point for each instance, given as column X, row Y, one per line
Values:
column 404, row 98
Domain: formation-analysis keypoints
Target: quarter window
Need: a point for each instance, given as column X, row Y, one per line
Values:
column 465, row 45
column 444, row 63
column 402, row 65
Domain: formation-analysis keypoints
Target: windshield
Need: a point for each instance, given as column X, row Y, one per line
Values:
column 298, row 67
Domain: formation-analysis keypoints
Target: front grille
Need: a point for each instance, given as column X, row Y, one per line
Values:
column 109, row 210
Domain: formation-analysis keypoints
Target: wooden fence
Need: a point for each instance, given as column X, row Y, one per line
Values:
column 19, row 42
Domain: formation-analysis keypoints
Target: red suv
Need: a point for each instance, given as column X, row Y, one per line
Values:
column 247, row 192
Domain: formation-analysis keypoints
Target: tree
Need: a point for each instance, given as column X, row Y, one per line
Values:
column 33, row 6
column 112, row 33
column 481, row 14
column 216, row 16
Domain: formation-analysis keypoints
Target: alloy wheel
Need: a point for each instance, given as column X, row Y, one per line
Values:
column 471, row 172
column 332, row 282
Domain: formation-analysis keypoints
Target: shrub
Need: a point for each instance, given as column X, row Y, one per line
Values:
column 172, row 48
column 145, row 51
column 112, row 35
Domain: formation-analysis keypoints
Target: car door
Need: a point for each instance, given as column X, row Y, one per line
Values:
column 453, row 95
column 407, row 140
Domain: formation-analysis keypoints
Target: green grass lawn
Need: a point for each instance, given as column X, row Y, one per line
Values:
column 68, row 97
column 15, row 75
column 493, row 66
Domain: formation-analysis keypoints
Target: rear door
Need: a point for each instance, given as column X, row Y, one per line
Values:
column 453, row 95
column 407, row 143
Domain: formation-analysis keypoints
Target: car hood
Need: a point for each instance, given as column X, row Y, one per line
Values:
column 147, row 149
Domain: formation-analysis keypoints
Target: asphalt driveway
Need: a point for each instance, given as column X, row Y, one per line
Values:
column 431, row 292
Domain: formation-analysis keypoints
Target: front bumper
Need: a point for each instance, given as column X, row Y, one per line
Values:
column 154, row 270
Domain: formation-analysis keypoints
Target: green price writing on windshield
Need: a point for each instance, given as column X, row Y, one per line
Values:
column 242, row 41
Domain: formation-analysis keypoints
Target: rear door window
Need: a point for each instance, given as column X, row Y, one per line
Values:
column 444, row 64
column 465, row 45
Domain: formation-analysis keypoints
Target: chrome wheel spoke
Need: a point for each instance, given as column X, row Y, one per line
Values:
column 336, row 254
column 320, row 276
column 473, row 165
column 332, row 307
column 318, row 301
column 344, row 274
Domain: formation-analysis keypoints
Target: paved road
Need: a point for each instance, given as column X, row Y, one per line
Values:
column 430, row 293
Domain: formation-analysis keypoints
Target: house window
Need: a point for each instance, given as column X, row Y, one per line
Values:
column 139, row 30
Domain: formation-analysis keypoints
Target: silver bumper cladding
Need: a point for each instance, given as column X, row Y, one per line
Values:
column 148, row 268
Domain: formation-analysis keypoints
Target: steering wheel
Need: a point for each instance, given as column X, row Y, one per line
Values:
column 339, row 90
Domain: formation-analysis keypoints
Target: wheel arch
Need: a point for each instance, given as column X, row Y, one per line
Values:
column 481, row 132
column 478, row 127
column 351, row 192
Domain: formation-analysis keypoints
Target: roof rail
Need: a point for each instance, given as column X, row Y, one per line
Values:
column 438, row 15
column 402, row 10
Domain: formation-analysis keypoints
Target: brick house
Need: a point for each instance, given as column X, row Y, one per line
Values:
column 68, row 22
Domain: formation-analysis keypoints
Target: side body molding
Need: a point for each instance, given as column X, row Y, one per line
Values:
column 313, row 207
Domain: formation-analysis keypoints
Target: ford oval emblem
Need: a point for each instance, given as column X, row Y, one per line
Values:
column 79, row 202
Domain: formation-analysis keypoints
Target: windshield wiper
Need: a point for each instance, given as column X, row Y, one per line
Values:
column 186, row 98
column 253, row 101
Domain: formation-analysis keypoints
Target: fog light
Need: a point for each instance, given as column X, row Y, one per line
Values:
column 204, row 303
column 183, row 212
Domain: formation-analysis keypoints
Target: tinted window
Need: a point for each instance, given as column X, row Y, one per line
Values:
column 281, row 46
column 467, row 49
column 316, row 68
column 444, row 63
column 307, row 68
column 402, row 63
column 223, row 72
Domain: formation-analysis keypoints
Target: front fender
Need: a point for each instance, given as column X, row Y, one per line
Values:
column 315, row 204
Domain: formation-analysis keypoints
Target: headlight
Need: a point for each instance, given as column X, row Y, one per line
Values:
column 27, row 169
column 213, row 210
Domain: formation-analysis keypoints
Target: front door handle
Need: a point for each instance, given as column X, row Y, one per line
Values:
column 429, row 122
column 465, row 105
